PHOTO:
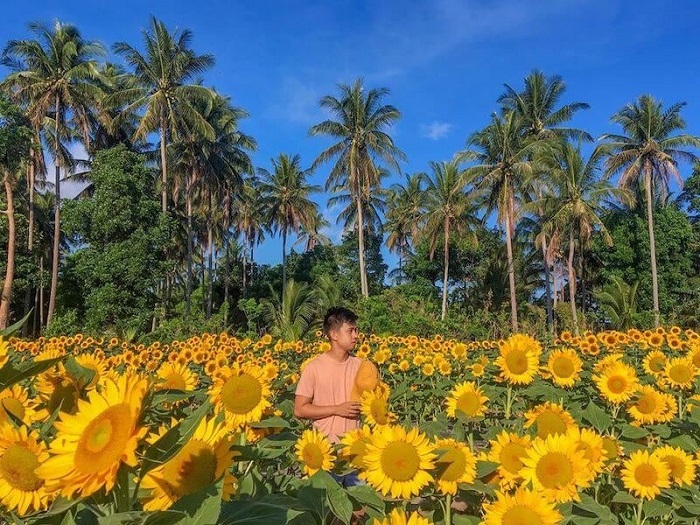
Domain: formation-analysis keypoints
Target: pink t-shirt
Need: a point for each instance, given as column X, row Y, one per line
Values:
column 329, row 382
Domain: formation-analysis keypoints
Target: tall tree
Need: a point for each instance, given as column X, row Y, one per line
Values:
column 55, row 75
column 286, row 197
column 359, row 125
column 647, row 154
column 15, row 140
column 248, row 220
column 504, row 165
column 576, row 205
column 448, row 211
column 162, row 84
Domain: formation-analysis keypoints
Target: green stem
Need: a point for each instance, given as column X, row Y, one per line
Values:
column 680, row 404
column 509, row 401
column 448, row 509
column 638, row 514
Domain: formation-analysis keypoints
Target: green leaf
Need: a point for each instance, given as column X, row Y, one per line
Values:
column 130, row 518
column 632, row 432
column 366, row 496
column 10, row 330
column 271, row 422
column 656, row 508
column 663, row 431
column 314, row 500
column 622, row 496
column 82, row 375
column 201, row 508
column 597, row 417
column 164, row 517
column 588, row 507
column 169, row 395
column 274, row 509
column 337, row 499
column 684, row 441
column 484, row 468
column 11, row 374
column 172, row 441
column 463, row 519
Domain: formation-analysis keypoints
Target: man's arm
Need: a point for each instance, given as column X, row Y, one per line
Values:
column 304, row 408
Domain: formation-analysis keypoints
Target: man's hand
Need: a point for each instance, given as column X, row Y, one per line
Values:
column 349, row 409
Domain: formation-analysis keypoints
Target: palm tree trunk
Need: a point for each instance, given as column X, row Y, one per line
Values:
column 210, row 251
column 245, row 261
column 190, row 242
column 511, row 268
column 41, row 294
column 10, row 269
column 446, row 270
column 652, row 247
column 361, row 249
column 163, row 166
column 227, row 261
column 547, row 286
column 56, row 226
column 30, row 187
column 572, row 282
column 284, row 261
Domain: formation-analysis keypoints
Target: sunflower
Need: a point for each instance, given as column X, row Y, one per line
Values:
column 400, row 517
column 175, row 376
column 353, row 446
column 681, row 464
column 57, row 389
column 564, row 367
column 242, row 393
column 644, row 474
column 648, row 407
column 612, row 449
column 97, row 366
column 679, row 373
column 314, row 451
column 524, row 507
column 397, row 462
column 508, row 450
column 374, row 407
column 556, row 467
column 617, row 382
column 4, row 347
column 654, row 362
column 550, row 418
column 455, row 464
column 203, row 460
column 91, row 444
column 519, row 359
column 16, row 402
column 21, row 452
column 593, row 448
column 466, row 399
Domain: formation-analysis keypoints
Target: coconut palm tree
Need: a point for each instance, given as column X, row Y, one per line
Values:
column 359, row 123
column 576, row 204
column 537, row 106
column 504, row 165
column 249, row 221
column 647, row 154
column 404, row 218
column 448, row 210
column 291, row 313
column 286, row 197
column 619, row 301
column 55, row 75
column 162, row 84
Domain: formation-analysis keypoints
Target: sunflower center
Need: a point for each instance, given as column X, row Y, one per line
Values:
column 657, row 364
column 313, row 456
column 516, row 361
column 400, row 461
column 676, row 465
column 17, row 466
column 468, row 403
column 104, row 440
column 510, row 457
column 646, row 475
column 554, row 470
column 13, row 406
column 241, row 394
column 696, row 358
column 563, row 367
column 521, row 515
column 455, row 463
column 646, row 404
column 680, row 374
column 617, row 384
column 193, row 469
column 175, row 381
column 610, row 448
column 550, row 423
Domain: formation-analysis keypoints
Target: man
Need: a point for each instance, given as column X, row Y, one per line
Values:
column 323, row 391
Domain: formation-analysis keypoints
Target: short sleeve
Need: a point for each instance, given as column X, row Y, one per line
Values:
column 307, row 382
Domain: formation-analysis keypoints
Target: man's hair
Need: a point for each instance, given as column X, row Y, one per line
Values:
column 336, row 316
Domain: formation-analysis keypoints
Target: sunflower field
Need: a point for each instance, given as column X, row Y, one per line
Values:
column 602, row 428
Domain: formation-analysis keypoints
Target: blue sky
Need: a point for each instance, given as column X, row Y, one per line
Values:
column 444, row 61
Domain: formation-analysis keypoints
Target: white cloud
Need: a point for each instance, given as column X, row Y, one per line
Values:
column 436, row 130
column 298, row 103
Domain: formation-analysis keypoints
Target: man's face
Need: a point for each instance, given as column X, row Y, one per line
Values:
column 346, row 336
